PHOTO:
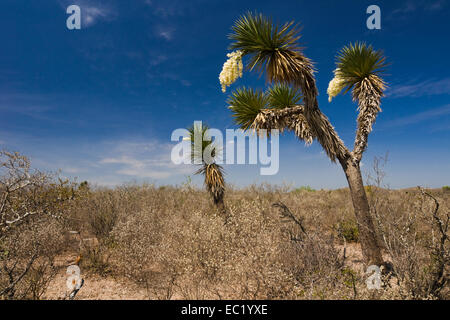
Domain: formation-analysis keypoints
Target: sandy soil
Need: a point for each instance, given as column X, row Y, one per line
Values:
column 97, row 288
column 111, row 288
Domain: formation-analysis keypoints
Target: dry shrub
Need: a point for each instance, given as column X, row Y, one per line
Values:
column 28, row 255
column 188, row 249
column 411, row 235
column 413, row 228
column 174, row 242
column 32, row 211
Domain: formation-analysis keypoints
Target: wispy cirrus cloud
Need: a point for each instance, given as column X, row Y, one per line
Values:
column 34, row 105
column 158, row 59
column 407, row 8
column 102, row 162
column 436, row 5
column 418, row 89
column 165, row 32
column 173, row 77
column 93, row 14
column 143, row 160
column 167, row 9
column 419, row 117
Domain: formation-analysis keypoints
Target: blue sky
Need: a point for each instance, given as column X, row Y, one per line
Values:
column 100, row 103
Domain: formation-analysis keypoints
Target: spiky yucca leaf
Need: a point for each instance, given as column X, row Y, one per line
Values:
column 360, row 68
column 214, row 181
column 201, row 133
column 360, row 61
column 283, row 96
column 272, row 48
column 255, row 34
column 246, row 103
column 275, row 109
column 198, row 132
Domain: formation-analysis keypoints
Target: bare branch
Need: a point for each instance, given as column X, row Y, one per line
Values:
column 286, row 213
column 440, row 252
column 19, row 278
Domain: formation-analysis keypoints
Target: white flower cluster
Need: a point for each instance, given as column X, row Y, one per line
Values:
column 232, row 69
column 335, row 86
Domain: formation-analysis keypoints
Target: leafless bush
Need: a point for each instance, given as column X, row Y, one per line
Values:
column 31, row 212
column 176, row 245
column 414, row 230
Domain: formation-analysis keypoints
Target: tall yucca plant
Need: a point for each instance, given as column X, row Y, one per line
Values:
column 291, row 103
column 212, row 172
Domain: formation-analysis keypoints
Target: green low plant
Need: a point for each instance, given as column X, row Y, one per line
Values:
column 305, row 188
column 348, row 230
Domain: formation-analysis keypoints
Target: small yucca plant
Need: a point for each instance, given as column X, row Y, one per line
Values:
column 213, row 173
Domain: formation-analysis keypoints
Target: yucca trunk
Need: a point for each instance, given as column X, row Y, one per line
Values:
column 221, row 207
column 335, row 149
column 215, row 185
column 366, row 227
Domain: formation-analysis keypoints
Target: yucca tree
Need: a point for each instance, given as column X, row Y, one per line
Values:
column 290, row 103
column 212, row 172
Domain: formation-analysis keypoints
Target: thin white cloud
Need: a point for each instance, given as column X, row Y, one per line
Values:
column 418, row 89
column 406, row 9
column 436, row 5
column 186, row 83
column 165, row 32
column 145, row 173
column 123, row 160
column 143, row 160
column 419, row 117
column 157, row 76
column 72, row 170
column 167, row 9
column 91, row 14
column 158, row 59
column 105, row 163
